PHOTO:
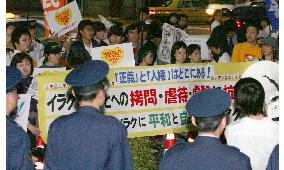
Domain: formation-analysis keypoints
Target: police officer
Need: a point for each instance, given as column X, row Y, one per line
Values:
column 86, row 139
column 208, row 111
column 17, row 141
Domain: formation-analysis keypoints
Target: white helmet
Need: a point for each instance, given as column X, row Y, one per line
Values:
column 267, row 73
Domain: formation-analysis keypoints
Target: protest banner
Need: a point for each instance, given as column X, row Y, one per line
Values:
column 64, row 19
column 48, row 6
column 38, row 71
column 119, row 55
column 23, row 108
column 147, row 100
column 171, row 34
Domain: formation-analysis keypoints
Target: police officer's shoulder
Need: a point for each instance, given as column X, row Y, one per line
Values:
column 114, row 122
column 15, row 131
column 58, row 121
column 179, row 149
column 235, row 152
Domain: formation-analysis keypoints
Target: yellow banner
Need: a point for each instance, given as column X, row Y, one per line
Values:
column 147, row 100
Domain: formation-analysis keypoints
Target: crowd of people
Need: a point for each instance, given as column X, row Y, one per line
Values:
column 254, row 132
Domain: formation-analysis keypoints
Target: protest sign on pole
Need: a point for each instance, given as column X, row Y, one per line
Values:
column 64, row 19
column 23, row 108
column 38, row 71
column 119, row 55
column 171, row 34
column 48, row 6
column 147, row 100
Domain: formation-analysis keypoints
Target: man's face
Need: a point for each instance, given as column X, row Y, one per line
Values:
column 251, row 34
column 87, row 33
column 231, row 34
column 133, row 35
column 182, row 21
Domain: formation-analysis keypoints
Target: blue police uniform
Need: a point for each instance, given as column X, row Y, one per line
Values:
column 273, row 163
column 17, row 141
column 87, row 139
column 17, row 147
column 206, row 152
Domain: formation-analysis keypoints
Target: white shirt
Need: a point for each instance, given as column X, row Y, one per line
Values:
column 214, row 24
column 89, row 48
column 225, row 58
column 255, row 138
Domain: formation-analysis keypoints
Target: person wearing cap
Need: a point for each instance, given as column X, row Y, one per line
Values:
column 52, row 55
column 269, row 49
column 208, row 110
column 115, row 35
column 17, row 141
column 80, row 51
column 249, row 50
column 254, row 134
column 87, row 139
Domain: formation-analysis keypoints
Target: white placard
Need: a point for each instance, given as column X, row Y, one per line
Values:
column 64, row 19
column 23, row 108
column 119, row 55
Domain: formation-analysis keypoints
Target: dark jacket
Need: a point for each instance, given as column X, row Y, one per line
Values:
column 205, row 153
column 17, row 147
column 86, row 139
column 273, row 163
column 78, row 54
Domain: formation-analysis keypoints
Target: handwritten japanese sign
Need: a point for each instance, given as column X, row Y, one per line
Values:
column 172, row 34
column 64, row 19
column 147, row 100
column 119, row 55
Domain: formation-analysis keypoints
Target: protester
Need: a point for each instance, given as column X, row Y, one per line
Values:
column 146, row 56
column 87, row 139
column 80, row 51
column 131, row 36
column 193, row 53
column 17, row 141
column 21, row 40
column 52, row 55
column 255, row 134
column 249, row 50
column 265, row 27
column 269, row 49
column 99, row 34
column 173, row 19
column 10, row 27
column 208, row 110
column 217, row 19
column 226, row 34
column 24, row 63
column 219, row 55
column 182, row 22
column 178, row 53
column 115, row 35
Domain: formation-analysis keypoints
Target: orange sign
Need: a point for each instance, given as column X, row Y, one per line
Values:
column 63, row 17
column 114, row 56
